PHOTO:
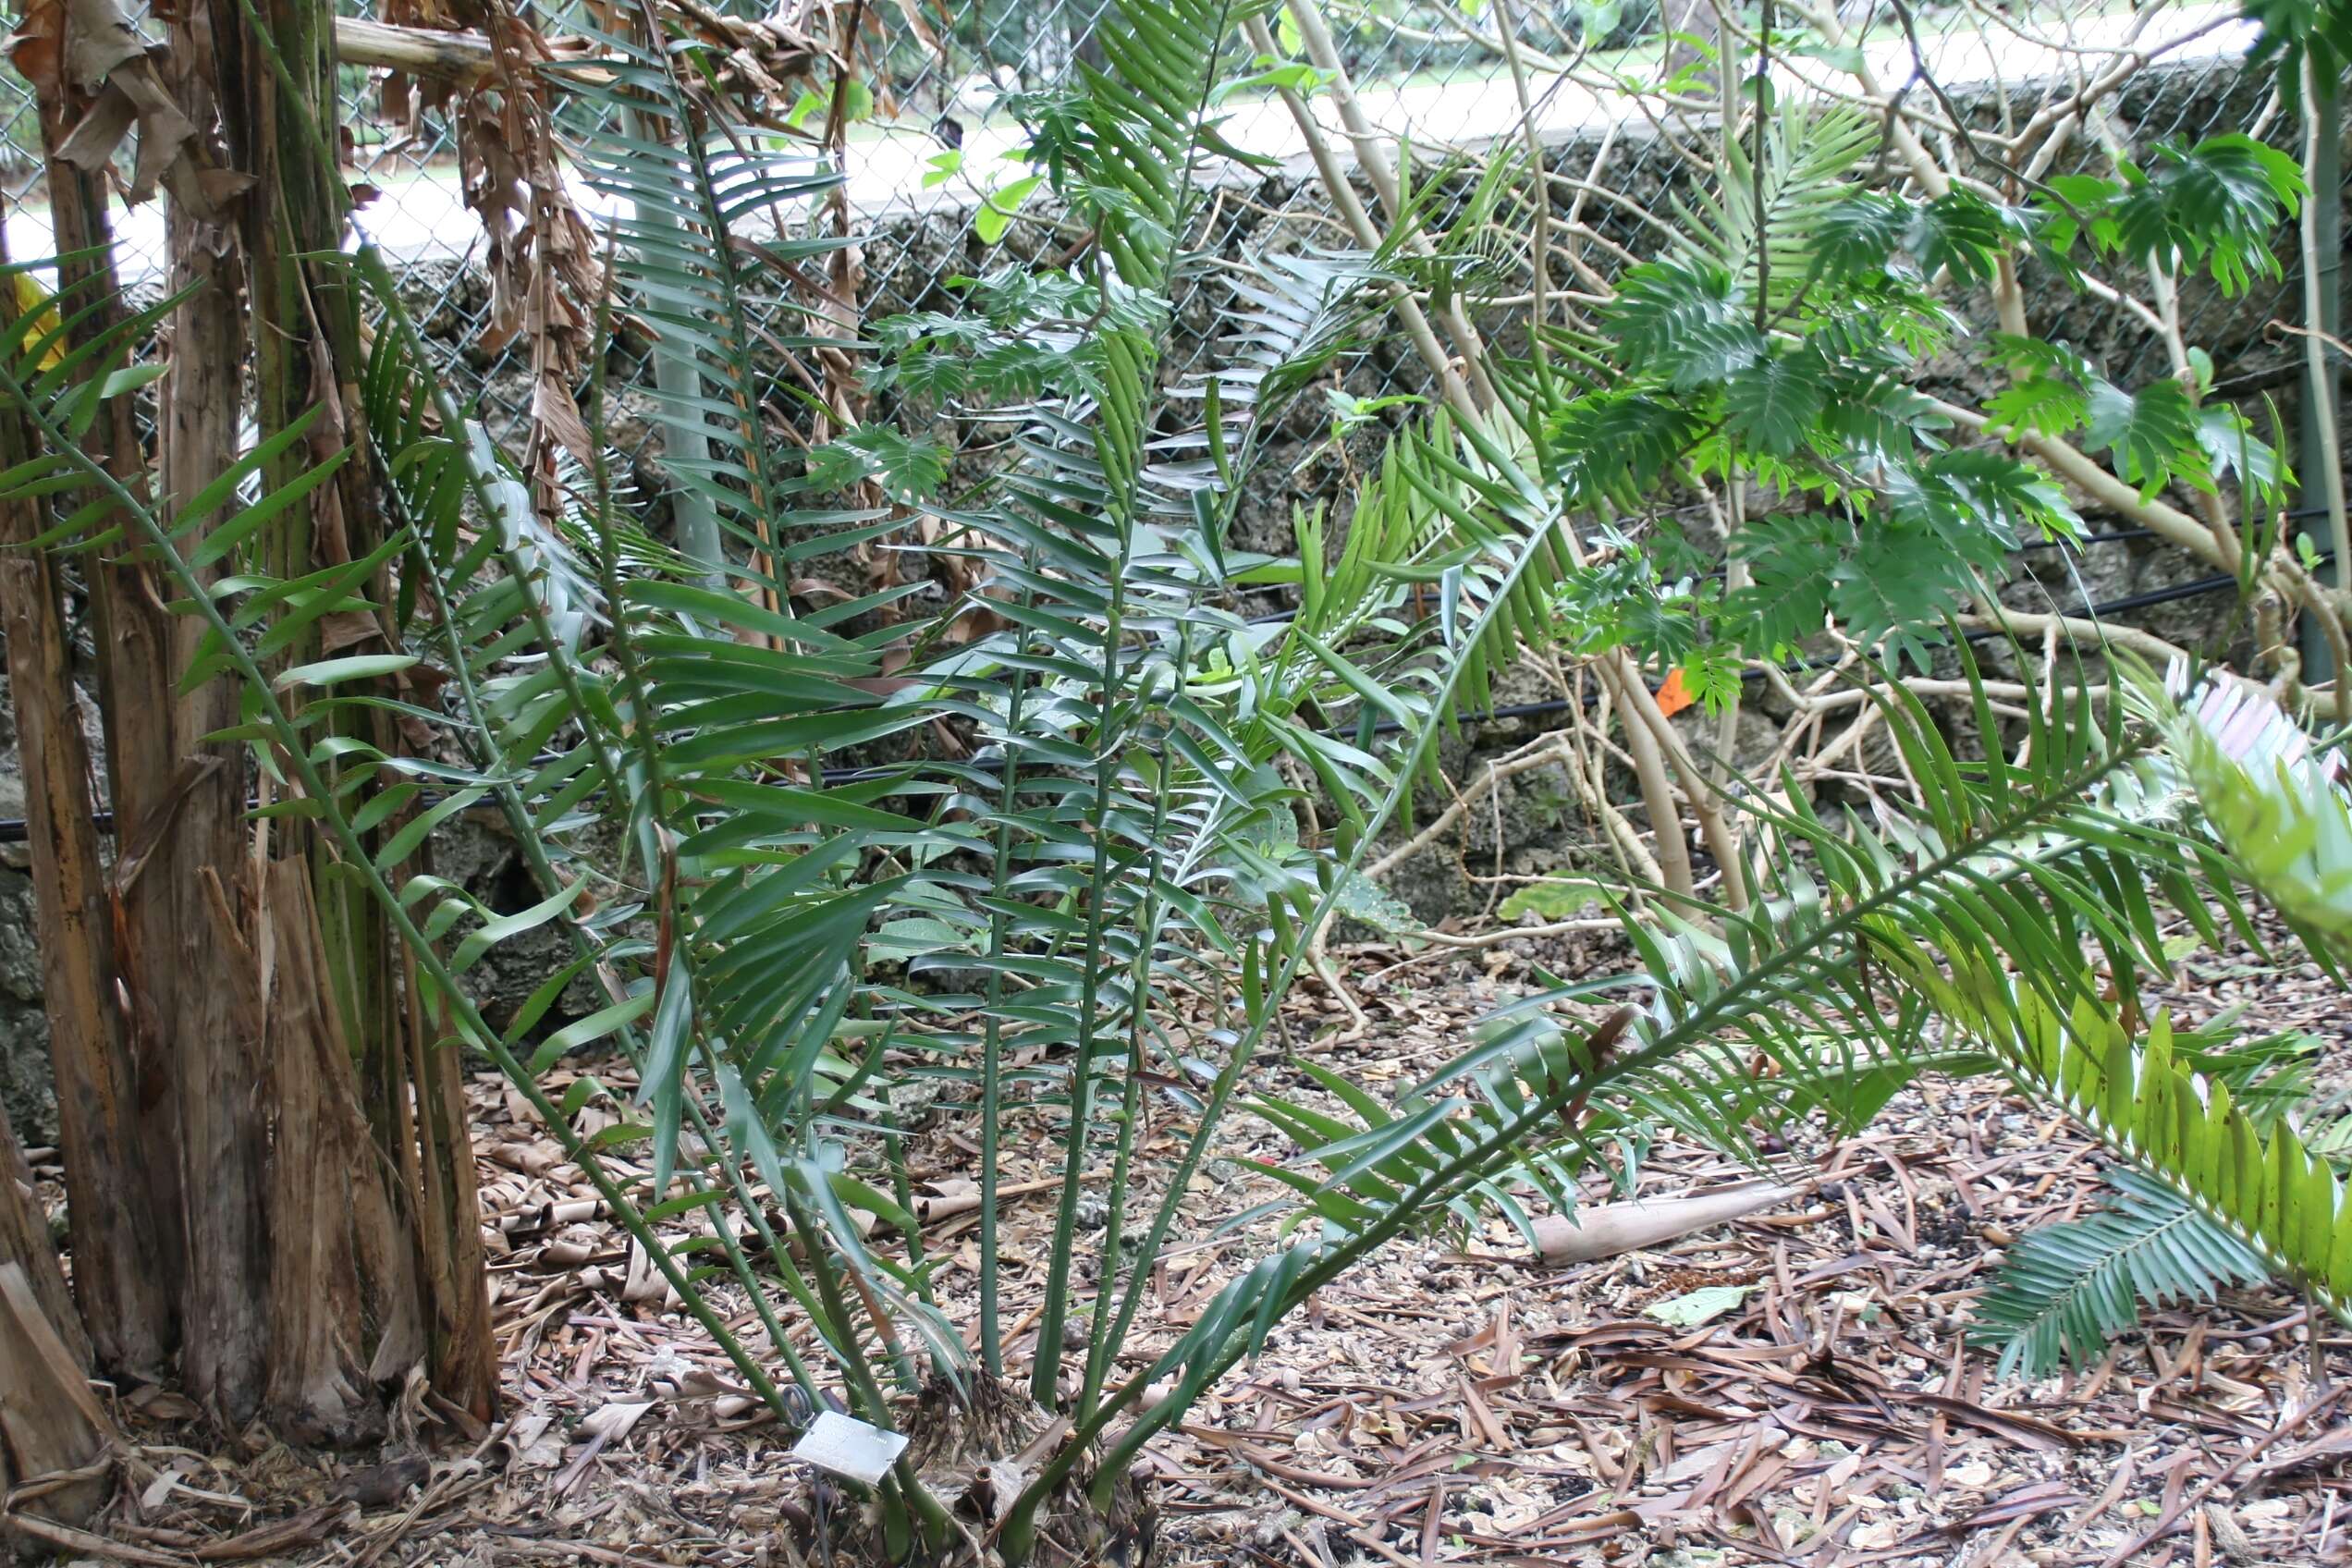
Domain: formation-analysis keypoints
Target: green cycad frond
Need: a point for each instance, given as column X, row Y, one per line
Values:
column 1369, row 1163
column 1821, row 986
column 2006, row 865
column 468, row 549
column 1239, row 1317
column 1463, row 513
column 1975, row 911
column 564, row 746
column 2281, row 804
column 705, row 258
column 2281, row 811
column 1129, row 160
column 2066, row 1290
column 338, row 800
column 1291, row 318
column 1147, row 125
column 1811, row 151
column 2174, row 1125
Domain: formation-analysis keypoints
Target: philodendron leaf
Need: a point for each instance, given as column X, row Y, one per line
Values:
column 1555, row 898
column 1365, row 900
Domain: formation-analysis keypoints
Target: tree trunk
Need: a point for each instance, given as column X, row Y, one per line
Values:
column 117, row 1125
column 52, row 1433
column 115, row 1276
column 434, row 1305
column 344, row 1313
column 182, row 953
column 322, row 1226
column 24, row 1241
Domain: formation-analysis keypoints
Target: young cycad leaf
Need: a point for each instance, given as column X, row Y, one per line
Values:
column 2065, row 1290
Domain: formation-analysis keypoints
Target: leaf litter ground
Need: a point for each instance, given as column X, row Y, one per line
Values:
column 1789, row 1388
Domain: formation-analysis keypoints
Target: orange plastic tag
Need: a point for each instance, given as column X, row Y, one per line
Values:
column 1674, row 697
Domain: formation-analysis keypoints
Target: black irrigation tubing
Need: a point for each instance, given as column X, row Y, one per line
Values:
column 15, row 830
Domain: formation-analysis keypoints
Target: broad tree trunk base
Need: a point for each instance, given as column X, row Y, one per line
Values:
column 24, row 1241
column 54, row 1437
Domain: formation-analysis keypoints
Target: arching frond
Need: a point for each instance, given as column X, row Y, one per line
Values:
column 1812, row 153
column 2067, row 1291
column 2281, row 804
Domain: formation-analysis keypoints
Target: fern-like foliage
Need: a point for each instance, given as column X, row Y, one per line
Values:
column 2279, row 801
column 1773, row 340
column 1767, row 340
column 1811, row 1002
column 710, row 240
column 2249, row 1195
column 2065, row 1290
column 2215, row 205
column 2174, row 1125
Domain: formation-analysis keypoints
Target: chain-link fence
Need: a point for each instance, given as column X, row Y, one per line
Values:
column 1434, row 73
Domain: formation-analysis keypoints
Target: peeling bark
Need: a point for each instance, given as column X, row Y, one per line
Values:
column 118, row 1131
column 53, row 1435
column 225, row 1003
column 343, row 1311
column 123, row 1299
column 24, row 1241
column 405, row 1282
column 182, row 953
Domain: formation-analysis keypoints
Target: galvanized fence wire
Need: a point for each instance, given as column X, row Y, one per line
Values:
column 1432, row 73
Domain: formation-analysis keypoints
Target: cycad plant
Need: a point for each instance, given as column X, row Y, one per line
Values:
column 2004, row 928
column 783, row 939
column 1108, row 893
column 2223, row 1177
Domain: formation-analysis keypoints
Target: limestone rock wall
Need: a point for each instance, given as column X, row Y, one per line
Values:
column 1533, row 824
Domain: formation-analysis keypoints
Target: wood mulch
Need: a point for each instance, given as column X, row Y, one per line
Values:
column 1451, row 1402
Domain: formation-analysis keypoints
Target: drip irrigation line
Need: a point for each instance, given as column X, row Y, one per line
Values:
column 14, row 830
